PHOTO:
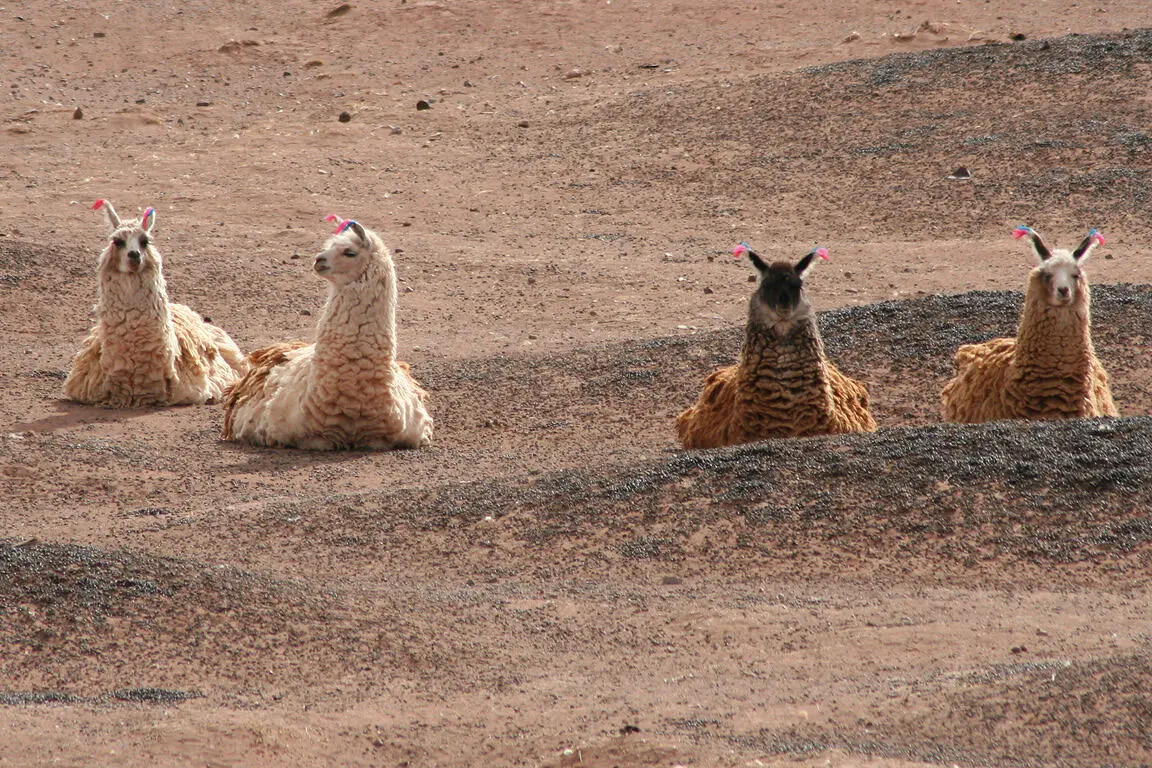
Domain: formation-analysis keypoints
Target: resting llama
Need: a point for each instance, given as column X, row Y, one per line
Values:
column 783, row 386
column 346, row 390
column 1050, row 370
column 143, row 349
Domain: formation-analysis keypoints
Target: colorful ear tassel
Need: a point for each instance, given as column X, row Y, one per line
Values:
column 344, row 225
column 821, row 252
column 741, row 249
column 144, row 218
column 1021, row 231
column 98, row 204
column 1099, row 238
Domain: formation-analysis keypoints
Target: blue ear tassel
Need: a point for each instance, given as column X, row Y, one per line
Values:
column 344, row 225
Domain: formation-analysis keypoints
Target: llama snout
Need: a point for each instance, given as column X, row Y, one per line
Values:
column 321, row 264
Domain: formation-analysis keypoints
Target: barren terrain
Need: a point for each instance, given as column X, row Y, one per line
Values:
column 553, row 582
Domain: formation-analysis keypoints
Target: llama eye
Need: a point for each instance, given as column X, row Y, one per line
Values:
column 350, row 253
column 143, row 243
column 1046, row 277
column 118, row 243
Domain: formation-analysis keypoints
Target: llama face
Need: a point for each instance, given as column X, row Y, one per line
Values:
column 779, row 301
column 130, row 252
column 1060, row 279
column 343, row 260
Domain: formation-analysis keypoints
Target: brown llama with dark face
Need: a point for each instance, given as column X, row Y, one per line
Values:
column 1050, row 370
column 784, row 385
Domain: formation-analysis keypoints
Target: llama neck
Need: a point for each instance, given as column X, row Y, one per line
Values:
column 133, row 311
column 1055, row 337
column 791, row 353
column 359, row 323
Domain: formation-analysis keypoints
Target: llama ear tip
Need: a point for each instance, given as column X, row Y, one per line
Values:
column 97, row 205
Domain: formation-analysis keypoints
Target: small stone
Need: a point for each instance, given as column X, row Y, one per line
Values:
column 395, row 130
column 1017, row 37
column 306, row 312
column 960, row 174
column 313, row 64
column 468, row 84
column 78, row 114
column 99, row 34
column 203, row 103
column 671, row 581
column 139, row 101
column 1108, row 257
column 523, row 124
column 707, row 289
column 339, row 10
column 422, row 105
column 851, row 37
column 751, row 278
column 345, row 117
column 572, row 74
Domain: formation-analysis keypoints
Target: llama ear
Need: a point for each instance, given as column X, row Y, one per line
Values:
column 148, row 220
column 1093, row 239
column 806, row 262
column 109, row 213
column 359, row 230
column 757, row 262
column 1033, row 236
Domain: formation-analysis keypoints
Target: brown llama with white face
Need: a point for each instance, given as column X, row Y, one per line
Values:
column 346, row 389
column 783, row 385
column 145, row 350
column 1050, row 370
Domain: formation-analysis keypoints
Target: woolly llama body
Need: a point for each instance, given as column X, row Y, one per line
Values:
column 346, row 390
column 783, row 385
column 1050, row 370
column 144, row 350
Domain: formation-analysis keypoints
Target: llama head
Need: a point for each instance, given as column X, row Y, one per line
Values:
column 1058, row 277
column 780, row 298
column 129, row 250
column 351, row 254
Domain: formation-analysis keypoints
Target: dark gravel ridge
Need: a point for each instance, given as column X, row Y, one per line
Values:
column 897, row 126
column 1004, row 494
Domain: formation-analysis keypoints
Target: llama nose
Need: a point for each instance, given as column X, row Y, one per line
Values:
column 1063, row 291
column 134, row 257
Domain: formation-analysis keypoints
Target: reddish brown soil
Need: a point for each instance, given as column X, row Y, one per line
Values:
column 553, row 583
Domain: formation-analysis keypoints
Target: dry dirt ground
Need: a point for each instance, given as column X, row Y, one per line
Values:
column 553, row 583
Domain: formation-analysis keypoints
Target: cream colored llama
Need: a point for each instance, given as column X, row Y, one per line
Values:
column 783, row 385
column 347, row 389
column 145, row 350
column 1050, row 370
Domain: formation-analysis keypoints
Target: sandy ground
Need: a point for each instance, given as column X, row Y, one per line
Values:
column 553, row 583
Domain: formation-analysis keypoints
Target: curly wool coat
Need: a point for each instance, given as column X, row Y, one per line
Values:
column 144, row 350
column 784, row 385
column 345, row 390
column 1049, row 371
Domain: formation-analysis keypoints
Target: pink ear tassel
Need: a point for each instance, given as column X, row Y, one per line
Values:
column 343, row 226
column 822, row 253
column 147, row 213
column 740, row 250
column 1099, row 238
column 1021, row 231
column 97, row 205
column 332, row 217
